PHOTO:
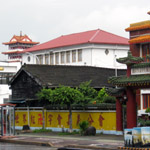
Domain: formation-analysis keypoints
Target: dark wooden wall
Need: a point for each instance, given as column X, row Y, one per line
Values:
column 24, row 87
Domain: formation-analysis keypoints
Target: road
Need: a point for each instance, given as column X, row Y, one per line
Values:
column 8, row 146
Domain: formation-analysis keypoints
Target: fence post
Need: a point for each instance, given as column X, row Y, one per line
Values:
column 28, row 110
column 43, row 118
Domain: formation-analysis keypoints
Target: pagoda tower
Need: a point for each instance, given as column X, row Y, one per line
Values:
column 16, row 45
column 136, row 82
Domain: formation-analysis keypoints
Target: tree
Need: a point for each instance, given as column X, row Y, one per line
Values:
column 89, row 92
column 44, row 96
column 68, row 96
column 101, row 95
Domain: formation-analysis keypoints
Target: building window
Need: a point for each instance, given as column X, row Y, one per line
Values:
column 5, row 78
column 79, row 54
column 51, row 59
column 68, row 57
column 39, row 59
column 146, row 101
column 145, row 51
column 56, row 58
column 46, row 59
column 62, row 57
column 74, row 56
column 29, row 58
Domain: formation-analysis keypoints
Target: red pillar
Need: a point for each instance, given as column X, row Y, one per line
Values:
column 131, row 109
column 119, row 121
column 128, row 70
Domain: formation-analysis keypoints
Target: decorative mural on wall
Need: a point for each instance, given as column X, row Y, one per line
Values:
column 53, row 119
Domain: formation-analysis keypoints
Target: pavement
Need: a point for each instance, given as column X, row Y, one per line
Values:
column 67, row 142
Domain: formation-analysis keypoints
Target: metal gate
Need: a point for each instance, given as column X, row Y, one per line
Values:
column 7, row 119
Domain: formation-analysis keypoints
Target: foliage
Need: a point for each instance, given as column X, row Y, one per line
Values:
column 68, row 133
column 101, row 95
column 83, row 126
column 44, row 95
column 41, row 130
column 147, row 110
column 65, row 95
column 109, row 99
column 89, row 92
column 147, row 122
column 68, row 96
column 143, row 122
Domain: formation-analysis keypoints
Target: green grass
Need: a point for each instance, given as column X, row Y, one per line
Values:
column 68, row 133
column 41, row 130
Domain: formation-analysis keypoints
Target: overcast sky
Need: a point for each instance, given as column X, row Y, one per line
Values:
column 43, row 20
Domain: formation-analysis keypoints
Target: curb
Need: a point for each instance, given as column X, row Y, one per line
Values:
column 27, row 142
column 90, row 147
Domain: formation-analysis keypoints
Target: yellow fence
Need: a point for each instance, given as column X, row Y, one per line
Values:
column 60, row 119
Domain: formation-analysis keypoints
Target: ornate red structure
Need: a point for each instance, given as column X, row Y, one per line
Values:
column 16, row 45
column 138, row 73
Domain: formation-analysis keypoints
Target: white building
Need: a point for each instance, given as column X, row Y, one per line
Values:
column 93, row 48
column 7, row 71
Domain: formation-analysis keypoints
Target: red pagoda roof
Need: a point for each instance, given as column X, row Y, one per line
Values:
column 139, row 26
column 12, row 52
column 140, row 39
column 20, row 39
column 94, row 36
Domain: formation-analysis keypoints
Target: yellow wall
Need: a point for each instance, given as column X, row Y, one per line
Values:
column 100, row 120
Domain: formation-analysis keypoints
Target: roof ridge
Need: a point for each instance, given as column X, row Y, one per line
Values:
column 97, row 31
column 69, row 66
column 74, row 33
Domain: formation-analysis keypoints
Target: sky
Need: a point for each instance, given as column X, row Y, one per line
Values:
column 44, row 20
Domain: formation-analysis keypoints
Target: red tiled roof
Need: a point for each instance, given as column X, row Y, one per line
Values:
column 94, row 36
column 20, row 39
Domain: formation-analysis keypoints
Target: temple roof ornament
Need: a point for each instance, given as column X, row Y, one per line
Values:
column 133, row 80
column 118, row 92
column 24, row 39
column 139, row 26
column 129, row 60
column 141, row 65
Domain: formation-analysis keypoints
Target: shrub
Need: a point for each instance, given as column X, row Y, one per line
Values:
column 143, row 122
column 83, row 126
column 101, row 94
column 148, row 110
